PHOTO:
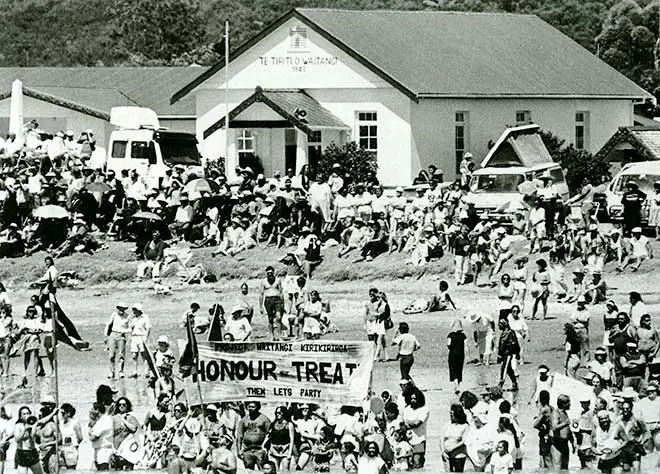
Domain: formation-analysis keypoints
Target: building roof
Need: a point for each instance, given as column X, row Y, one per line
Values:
column 518, row 146
column 455, row 54
column 61, row 102
column 293, row 105
column 102, row 88
column 645, row 140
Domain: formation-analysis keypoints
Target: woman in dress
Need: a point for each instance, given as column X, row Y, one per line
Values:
column 30, row 328
column 541, row 292
column 456, row 344
column 454, row 449
column 279, row 439
column 26, row 448
column 505, row 292
column 71, row 434
column 654, row 209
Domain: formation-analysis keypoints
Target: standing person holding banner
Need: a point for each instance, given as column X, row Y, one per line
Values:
column 272, row 302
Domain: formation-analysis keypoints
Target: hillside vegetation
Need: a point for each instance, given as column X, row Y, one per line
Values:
column 182, row 32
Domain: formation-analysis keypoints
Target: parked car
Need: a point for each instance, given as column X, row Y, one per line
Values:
column 644, row 173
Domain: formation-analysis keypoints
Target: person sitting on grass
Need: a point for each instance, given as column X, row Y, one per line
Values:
column 232, row 238
column 238, row 325
column 442, row 301
column 640, row 250
column 354, row 238
column 311, row 316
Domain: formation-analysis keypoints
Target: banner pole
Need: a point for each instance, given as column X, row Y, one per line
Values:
column 53, row 315
column 193, row 342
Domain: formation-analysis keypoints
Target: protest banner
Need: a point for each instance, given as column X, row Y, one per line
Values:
column 302, row 371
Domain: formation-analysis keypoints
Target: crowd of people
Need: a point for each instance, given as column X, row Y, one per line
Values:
column 524, row 265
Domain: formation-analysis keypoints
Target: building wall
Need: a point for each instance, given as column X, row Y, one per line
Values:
column 179, row 125
column 433, row 124
column 52, row 118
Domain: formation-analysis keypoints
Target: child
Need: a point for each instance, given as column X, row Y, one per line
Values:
column 585, row 425
column 324, row 450
column 350, row 460
column 501, row 461
column 402, row 451
column 173, row 463
column 164, row 355
column 602, row 367
column 268, row 467
column 442, row 301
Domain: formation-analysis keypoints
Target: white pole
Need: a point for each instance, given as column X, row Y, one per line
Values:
column 227, row 97
column 16, row 109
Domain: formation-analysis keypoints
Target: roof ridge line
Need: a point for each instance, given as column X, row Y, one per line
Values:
column 427, row 12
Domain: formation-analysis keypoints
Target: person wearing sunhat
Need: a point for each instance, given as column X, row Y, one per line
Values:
column 11, row 242
column 140, row 329
column 633, row 366
column 632, row 201
column 579, row 285
column 238, row 325
column 117, row 332
column 335, row 181
column 649, row 406
column 602, row 367
column 536, row 225
column 640, row 250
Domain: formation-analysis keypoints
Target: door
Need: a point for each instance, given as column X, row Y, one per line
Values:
column 290, row 149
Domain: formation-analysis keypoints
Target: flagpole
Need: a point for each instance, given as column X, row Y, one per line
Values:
column 53, row 319
column 227, row 96
column 193, row 345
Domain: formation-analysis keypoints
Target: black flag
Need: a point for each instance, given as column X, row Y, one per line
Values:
column 190, row 356
column 66, row 331
column 217, row 321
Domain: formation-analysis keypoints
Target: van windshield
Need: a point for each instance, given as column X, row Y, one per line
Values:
column 644, row 181
column 179, row 149
column 496, row 183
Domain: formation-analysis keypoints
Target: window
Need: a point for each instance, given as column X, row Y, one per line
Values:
column 298, row 38
column 461, row 135
column 314, row 147
column 582, row 130
column 523, row 117
column 245, row 145
column 140, row 150
column 368, row 131
column 119, row 149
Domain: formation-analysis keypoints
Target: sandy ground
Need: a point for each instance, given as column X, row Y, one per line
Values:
column 80, row 373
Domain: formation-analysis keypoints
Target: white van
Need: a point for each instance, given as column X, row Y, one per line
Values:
column 140, row 144
column 519, row 153
column 644, row 173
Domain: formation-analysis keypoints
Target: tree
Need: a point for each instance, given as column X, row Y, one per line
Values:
column 156, row 30
column 580, row 165
column 356, row 163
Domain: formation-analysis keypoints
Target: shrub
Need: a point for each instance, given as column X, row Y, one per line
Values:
column 580, row 166
column 357, row 164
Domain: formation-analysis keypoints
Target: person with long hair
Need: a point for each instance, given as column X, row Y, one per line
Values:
column 26, row 447
column 308, row 426
column 457, row 352
column 279, row 439
column 124, row 424
column 71, row 434
column 415, row 419
column 383, row 315
column 372, row 462
column 452, row 444
column 573, row 349
column 637, row 308
column 30, row 329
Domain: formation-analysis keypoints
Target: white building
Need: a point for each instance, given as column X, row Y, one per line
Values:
column 417, row 88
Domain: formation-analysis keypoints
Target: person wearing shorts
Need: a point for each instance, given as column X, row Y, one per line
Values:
column 370, row 315
column 140, row 328
column 24, row 434
column 272, row 302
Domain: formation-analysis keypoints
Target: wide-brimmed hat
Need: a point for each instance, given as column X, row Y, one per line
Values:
column 628, row 392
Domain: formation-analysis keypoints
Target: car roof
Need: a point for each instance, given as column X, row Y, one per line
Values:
column 641, row 167
column 514, row 169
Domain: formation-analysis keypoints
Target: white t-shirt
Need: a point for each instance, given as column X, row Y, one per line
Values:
column 500, row 464
column 239, row 328
column 407, row 343
column 368, row 465
column 101, row 433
